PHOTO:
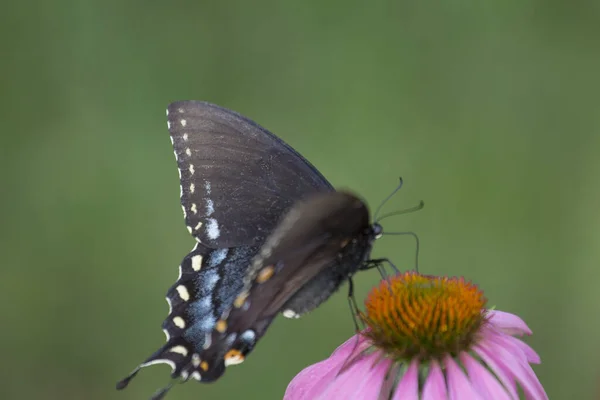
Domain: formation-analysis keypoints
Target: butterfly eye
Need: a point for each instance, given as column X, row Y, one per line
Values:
column 377, row 230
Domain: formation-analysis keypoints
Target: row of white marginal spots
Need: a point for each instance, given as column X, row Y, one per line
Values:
column 249, row 336
column 212, row 228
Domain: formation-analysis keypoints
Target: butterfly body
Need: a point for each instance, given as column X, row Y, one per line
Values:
column 272, row 234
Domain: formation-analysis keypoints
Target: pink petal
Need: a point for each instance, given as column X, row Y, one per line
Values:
column 316, row 378
column 356, row 342
column 483, row 381
column 505, row 348
column 508, row 323
column 505, row 376
column 435, row 385
column 408, row 388
column 372, row 384
column 530, row 354
column 523, row 349
column 459, row 386
column 350, row 381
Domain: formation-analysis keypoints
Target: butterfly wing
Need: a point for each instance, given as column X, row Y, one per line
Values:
column 237, row 178
column 209, row 280
column 313, row 241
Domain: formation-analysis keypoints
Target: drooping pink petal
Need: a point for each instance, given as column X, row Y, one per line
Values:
column 483, row 381
column 508, row 323
column 506, row 349
column 459, row 386
column 408, row 387
column 506, row 377
column 348, row 382
column 316, row 378
column 356, row 343
column 524, row 349
column 435, row 385
column 530, row 354
column 372, row 383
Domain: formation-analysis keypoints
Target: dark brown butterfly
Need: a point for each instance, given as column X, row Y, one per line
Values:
column 272, row 234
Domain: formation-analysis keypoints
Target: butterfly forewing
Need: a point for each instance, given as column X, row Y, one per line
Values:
column 237, row 178
column 311, row 242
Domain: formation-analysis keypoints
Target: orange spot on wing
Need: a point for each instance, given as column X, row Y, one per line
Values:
column 265, row 274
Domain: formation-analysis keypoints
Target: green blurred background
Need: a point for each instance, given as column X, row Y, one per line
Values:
column 489, row 110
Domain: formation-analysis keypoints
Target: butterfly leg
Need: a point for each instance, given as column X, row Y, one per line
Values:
column 352, row 304
column 377, row 263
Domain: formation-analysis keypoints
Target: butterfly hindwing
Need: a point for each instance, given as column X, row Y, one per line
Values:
column 318, row 244
column 208, row 282
column 236, row 177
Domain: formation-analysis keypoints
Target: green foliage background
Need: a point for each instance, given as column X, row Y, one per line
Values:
column 489, row 110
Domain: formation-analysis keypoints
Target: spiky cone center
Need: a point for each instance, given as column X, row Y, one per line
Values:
column 426, row 317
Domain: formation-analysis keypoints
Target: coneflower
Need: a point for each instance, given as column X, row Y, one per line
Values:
column 426, row 337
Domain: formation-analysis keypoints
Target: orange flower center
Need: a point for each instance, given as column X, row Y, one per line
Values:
column 412, row 315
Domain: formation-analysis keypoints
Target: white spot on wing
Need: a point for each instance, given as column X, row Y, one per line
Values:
column 290, row 314
column 166, row 335
column 183, row 122
column 191, row 169
column 180, row 110
column 207, row 187
column 179, row 322
column 188, row 151
column 189, row 228
column 196, row 262
column 167, row 110
column 161, row 361
column 212, row 229
column 179, row 277
column 207, row 341
column 192, row 188
column 248, row 336
column 194, row 208
column 196, row 360
column 184, row 213
column 179, row 350
column 183, row 292
column 169, row 303
column 196, row 375
column 169, row 126
column 210, row 207
column 185, row 136
column 197, row 227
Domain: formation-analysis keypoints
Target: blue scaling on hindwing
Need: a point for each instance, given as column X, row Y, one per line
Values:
column 216, row 286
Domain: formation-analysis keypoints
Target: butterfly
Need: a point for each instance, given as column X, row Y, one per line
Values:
column 272, row 236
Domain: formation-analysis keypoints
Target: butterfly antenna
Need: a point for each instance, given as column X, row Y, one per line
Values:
column 416, row 250
column 405, row 211
column 387, row 198
column 122, row 384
